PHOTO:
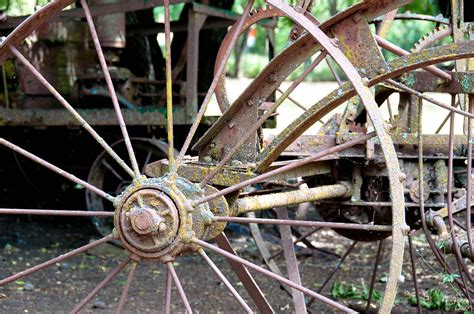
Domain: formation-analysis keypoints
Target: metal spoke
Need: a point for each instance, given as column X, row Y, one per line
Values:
column 305, row 223
column 236, row 30
column 101, row 285
column 413, row 270
column 287, row 167
column 55, row 260
column 244, row 276
column 169, row 282
column 382, row 42
column 374, row 273
column 452, row 107
column 273, row 276
column 147, row 160
column 242, row 140
column 111, row 169
column 169, row 88
column 52, row 212
column 333, row 71
column 110, row 86
column 128, row 283
column 59, row 171
column 469, row 178
column 291, row 261
column 69, row 108
column 225, row 281
column 183, row 296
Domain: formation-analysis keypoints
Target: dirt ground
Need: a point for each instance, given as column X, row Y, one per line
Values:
column 26, row 242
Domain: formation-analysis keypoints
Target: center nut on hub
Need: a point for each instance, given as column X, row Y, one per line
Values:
column 154, row 218
column 149, row 220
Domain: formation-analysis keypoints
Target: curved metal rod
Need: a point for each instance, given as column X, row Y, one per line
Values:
column 235, row 36
column 110, row 86
column 55, row 260
column 273, row 275
column 225, row 281
column 59, row 171
column 101, row 285
column 71, row 109
column 182, row 294
column 52, row 212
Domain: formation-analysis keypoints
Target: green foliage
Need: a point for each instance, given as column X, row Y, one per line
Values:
column 353, row 291
column 437, row 300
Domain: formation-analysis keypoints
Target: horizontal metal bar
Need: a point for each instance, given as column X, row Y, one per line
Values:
column 52, row 212
column 268, row 201
column 304, row 223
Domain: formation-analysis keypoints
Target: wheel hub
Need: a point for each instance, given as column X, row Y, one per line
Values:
column 154, row 218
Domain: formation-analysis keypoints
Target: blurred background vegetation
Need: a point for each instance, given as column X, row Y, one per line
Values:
column 255, row 51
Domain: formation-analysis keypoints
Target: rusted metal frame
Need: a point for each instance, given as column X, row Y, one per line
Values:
column 226, row 282
column 305, row 223
column 461, row 266
column 396, row 177
column 413, row 271
column 288, row 167
column 101, row 285
column 169, row 87
column 195, row 22
column 169, row 282
column 291, row 261
column 59, row 171
column 414, row 16
column 345, row 92
column 244, row 276
column 284, row 64
column 236, row 31
column 255, row 126
column 55, row 260
column 273, row 276
column 126, row 288
column 374, row 273
column 71, row 110
column 111, row 88
column 401, row 52
column 431, row 100
column 52, row 212
column 96, row 10
column 423, row 81
column 469, row 177
column 386, row 23
column 423, row 216
column 268, row 201
column 95, row 117
column 177, row 283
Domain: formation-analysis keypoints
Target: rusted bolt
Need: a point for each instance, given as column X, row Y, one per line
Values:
column 335, row 42
column 402, row 177
column 365, row 81
column 212, row 145
column 357, row 17
column 273, row 77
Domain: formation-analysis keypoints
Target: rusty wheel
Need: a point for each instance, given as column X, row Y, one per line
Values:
column 179, row 205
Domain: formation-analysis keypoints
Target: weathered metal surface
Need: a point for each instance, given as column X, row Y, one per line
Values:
column 262, row 202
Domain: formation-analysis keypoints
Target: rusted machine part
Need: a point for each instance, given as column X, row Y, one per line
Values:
column 429, row 39
column 262, row 202
column 258, row 15
column 111, row 27
column 447, row 246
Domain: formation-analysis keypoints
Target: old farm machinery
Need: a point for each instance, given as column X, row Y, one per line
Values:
column 370, row 178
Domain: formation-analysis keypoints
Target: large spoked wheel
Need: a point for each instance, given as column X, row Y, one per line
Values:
column 161, row 217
